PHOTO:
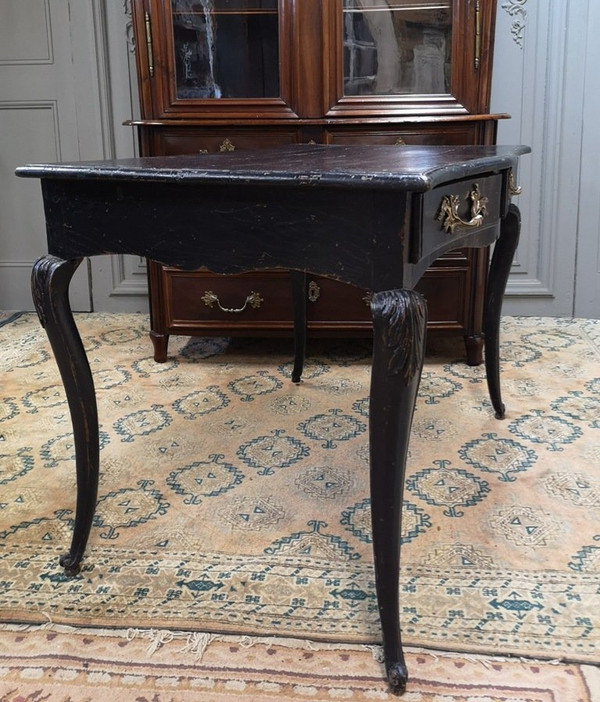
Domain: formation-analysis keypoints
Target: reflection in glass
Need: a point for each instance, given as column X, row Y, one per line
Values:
column 397, row 47
column 226, row 48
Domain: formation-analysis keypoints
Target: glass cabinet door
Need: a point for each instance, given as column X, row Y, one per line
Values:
column 401, row 55
column 217, row 57
column 397, row 47
column 225, row 48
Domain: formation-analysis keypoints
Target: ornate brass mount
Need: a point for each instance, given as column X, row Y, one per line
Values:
column 513, row 188
column 448, row 214
column 254, row 299
column 314, row 291
column 227, row 145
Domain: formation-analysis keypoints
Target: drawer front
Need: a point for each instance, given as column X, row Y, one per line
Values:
column 171, row 142
column 249, row 298
column 259, row 302
column 445, row 215
column 331, row 302
column 442, row 134
column 446, row 293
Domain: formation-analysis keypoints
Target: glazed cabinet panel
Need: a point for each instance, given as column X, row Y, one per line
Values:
column 407, row 56
column 213, row 58
column 219, row 75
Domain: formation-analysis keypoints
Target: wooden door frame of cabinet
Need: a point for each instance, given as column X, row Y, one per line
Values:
column 472, row 93
column 156, row 71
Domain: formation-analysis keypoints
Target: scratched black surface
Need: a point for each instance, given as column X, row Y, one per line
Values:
column 340, row 211
column 415, row 168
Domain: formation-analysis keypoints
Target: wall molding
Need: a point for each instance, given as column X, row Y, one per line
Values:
column 545, row 97
column 43, row 60
column 517, row 10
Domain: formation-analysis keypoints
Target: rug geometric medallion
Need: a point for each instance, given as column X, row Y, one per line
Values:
column 233, row 501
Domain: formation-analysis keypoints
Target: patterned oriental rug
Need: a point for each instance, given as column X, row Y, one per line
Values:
column 233, row 501
column 61, row 664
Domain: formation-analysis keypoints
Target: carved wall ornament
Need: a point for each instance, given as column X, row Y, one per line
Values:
column 516, row 9
column 129, row 25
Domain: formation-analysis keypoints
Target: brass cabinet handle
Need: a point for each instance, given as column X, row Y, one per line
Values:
column 254, row 299
column 477, row 34
column 149, row 48
column 399, row 142
column 448, row 214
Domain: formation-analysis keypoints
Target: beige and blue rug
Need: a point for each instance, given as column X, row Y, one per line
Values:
column 62, row 664
column 234, row 501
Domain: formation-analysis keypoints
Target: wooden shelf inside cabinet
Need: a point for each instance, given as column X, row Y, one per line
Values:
column 252, row 74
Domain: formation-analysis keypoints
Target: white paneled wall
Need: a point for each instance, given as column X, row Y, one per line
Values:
column 540, row 78
column 587, row 280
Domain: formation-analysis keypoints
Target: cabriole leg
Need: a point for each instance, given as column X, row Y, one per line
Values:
column 399, row 325
column 50, row 288
column 502, row 259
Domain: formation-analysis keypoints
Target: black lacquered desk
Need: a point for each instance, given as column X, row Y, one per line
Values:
column 375, row 217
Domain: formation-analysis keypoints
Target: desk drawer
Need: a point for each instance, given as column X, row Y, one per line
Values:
column 446, row 215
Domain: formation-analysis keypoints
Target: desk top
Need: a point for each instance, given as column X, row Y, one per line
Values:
column 409, row 168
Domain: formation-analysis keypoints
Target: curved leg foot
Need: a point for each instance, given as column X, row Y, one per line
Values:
column 397, row 674
column 71, row 565
column 50, row 280
column 502, row 258
column 399, row 326
column 298, row 279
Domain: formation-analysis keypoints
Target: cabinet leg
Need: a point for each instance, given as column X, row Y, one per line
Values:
column 299, row 294
column 502, row 258
column 50, row 280
column 160, row 343
column 399, row 325
column 474, row 348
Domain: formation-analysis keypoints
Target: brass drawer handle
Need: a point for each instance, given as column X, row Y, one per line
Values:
column 399, row 142
column 449, row 217
column 254, row 299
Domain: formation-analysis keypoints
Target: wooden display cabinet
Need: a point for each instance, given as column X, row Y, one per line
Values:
column 217, row 75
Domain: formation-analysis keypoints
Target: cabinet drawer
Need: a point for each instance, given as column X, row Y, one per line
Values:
column 248, row 298
column 446, row 293
column 333, row 302
column 170, row 142
column 442, row 134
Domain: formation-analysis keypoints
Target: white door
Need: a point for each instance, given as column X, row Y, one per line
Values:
column 65, row 89
column 38, row 123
